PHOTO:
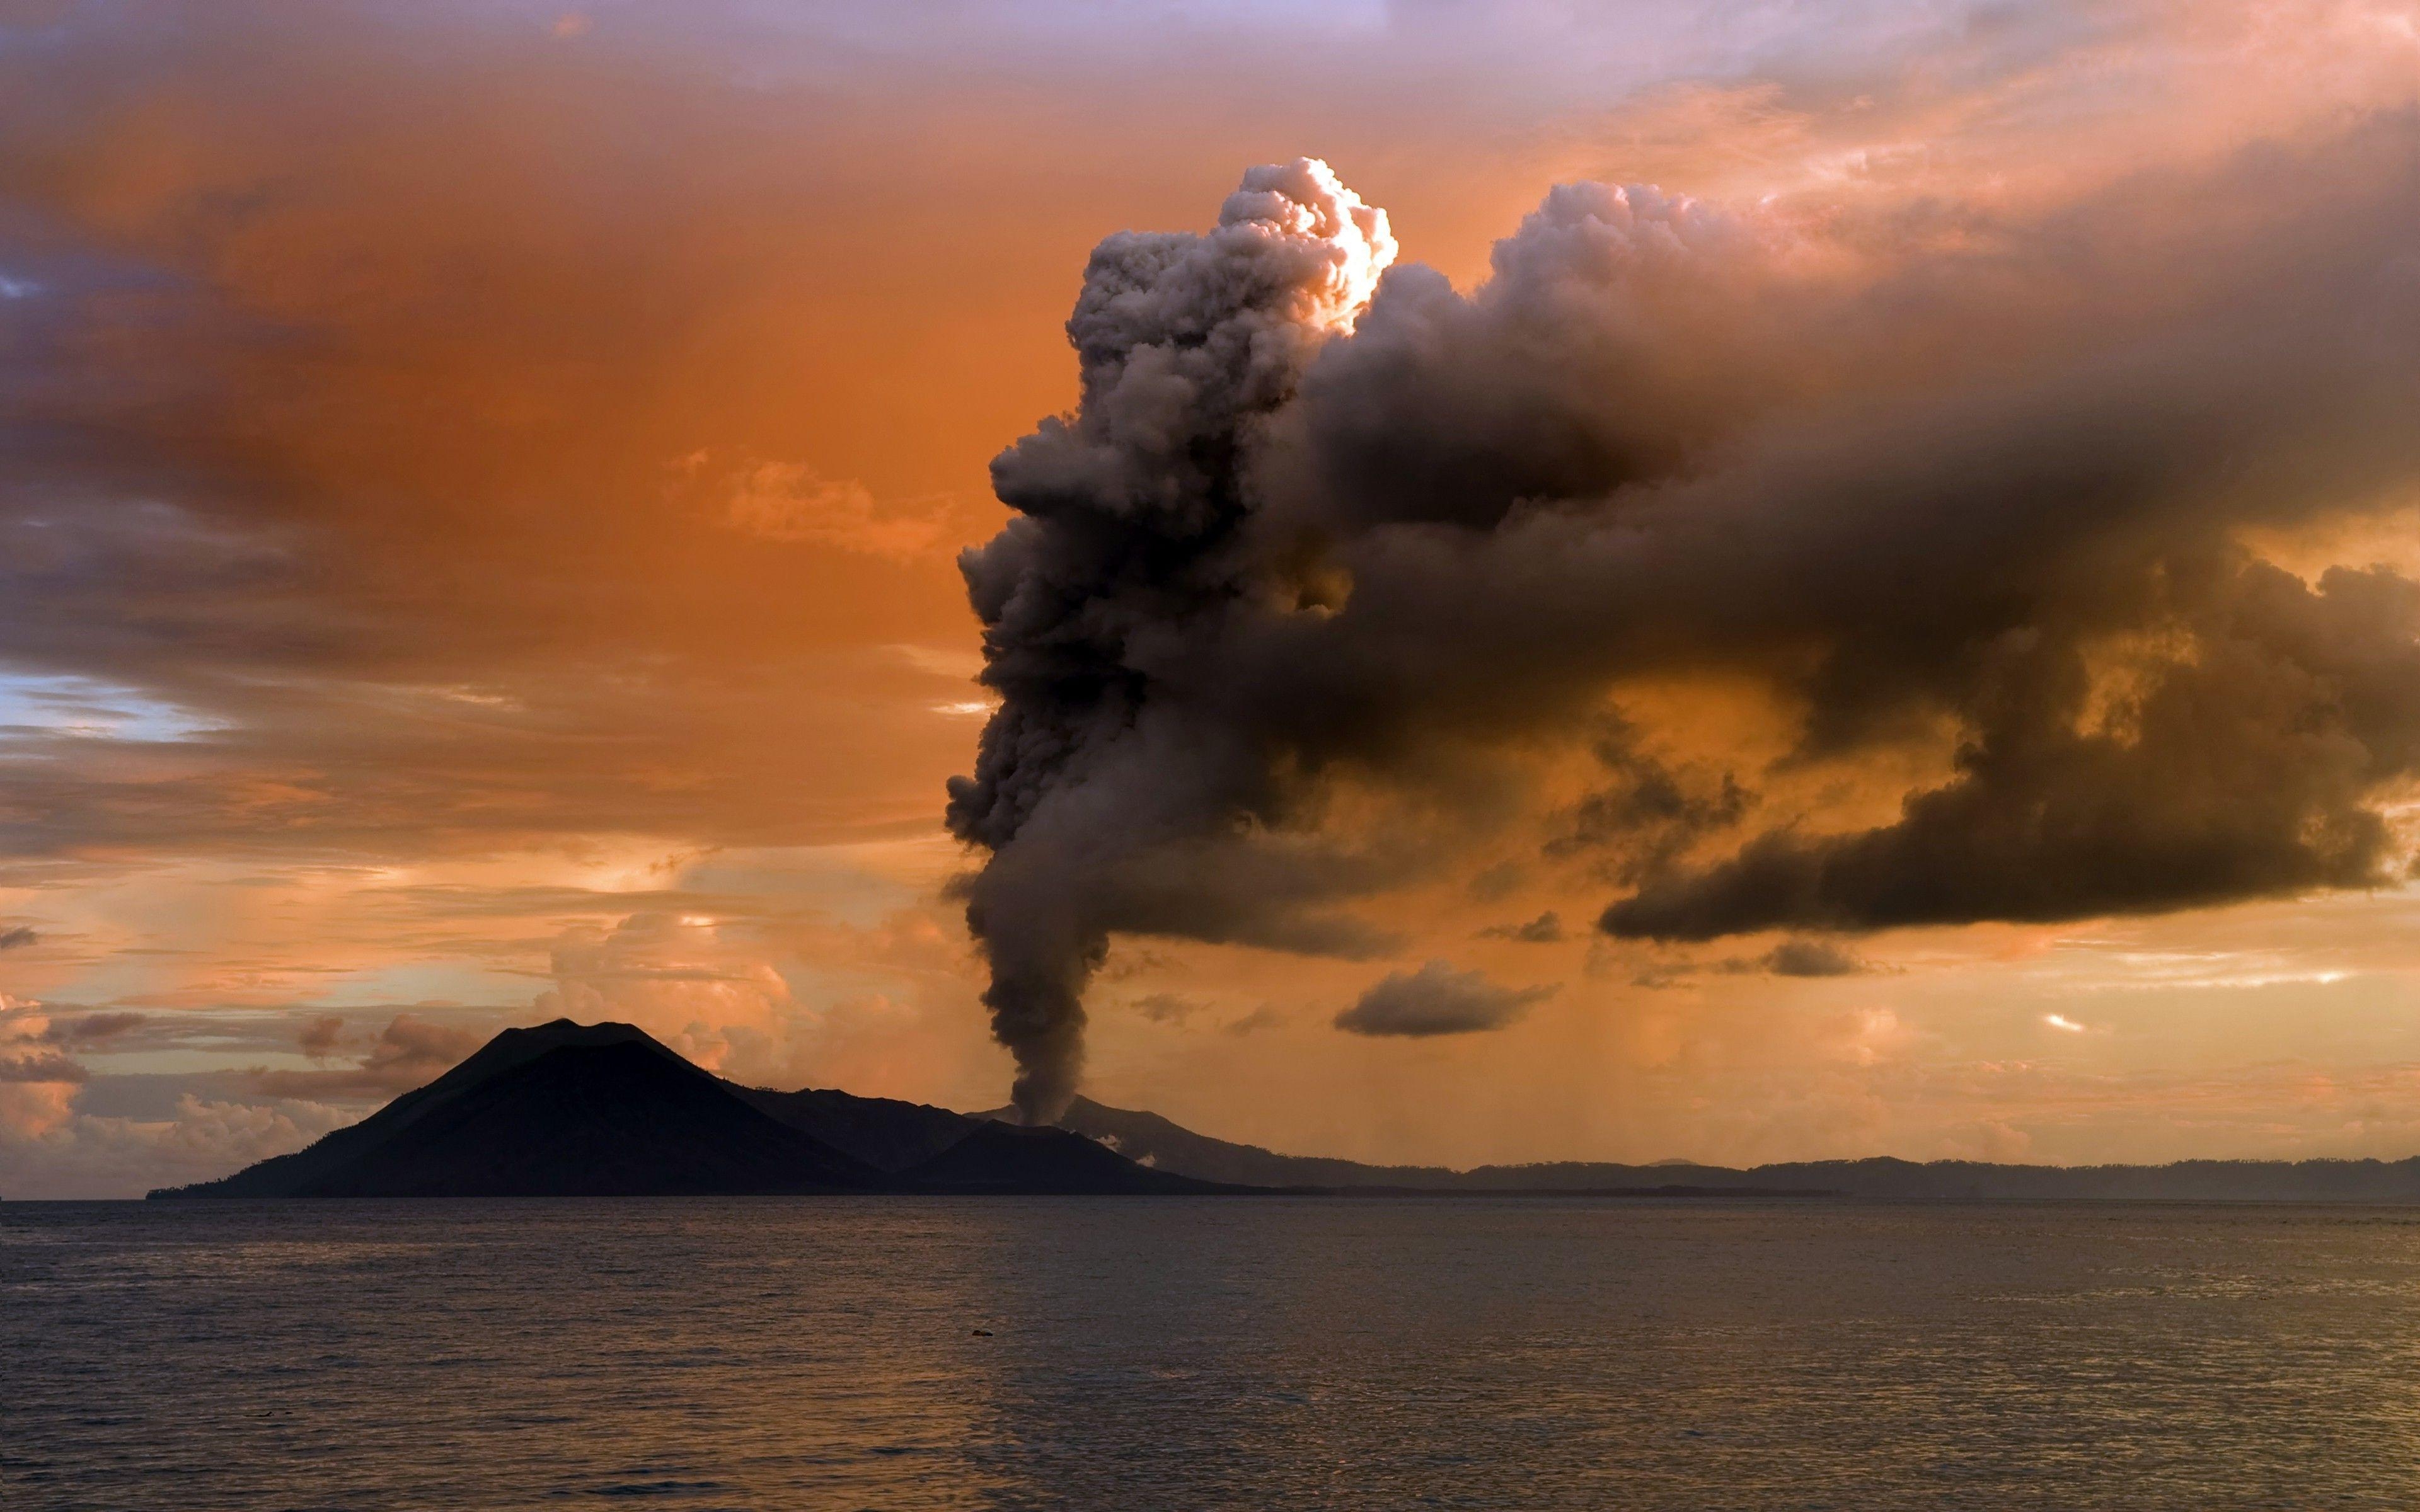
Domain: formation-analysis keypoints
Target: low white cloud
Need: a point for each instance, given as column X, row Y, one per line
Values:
column 678, row 979
column 77, row 1156
column 794, row 503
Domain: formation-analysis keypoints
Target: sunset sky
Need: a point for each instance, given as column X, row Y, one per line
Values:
column 485, row 488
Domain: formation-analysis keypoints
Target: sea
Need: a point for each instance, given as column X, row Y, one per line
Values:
column 1137, row 1353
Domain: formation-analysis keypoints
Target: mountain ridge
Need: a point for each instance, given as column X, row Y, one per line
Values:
column 604, row 1109
column 566, row 1109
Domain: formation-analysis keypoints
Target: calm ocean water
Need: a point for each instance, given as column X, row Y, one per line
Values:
column 1174, row 1354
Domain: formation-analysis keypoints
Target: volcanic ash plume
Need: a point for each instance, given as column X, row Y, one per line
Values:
column 2034, row 507
column 1128, row 512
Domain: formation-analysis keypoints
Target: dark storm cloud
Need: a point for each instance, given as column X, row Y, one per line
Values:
column 1990, row 475
column 1437, row 999
column 1646, row 813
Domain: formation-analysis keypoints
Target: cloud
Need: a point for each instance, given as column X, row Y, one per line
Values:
column 1812, row 958
column 788, row 501
column 2244, row 771
column 384, row 525
column 41, row 1065
column 410, row 1052
column 321, row 1034
column 92, row 1031
column 65, row 1153
column 17, row 938
column 1646, row 814
column 2122, row 672
column 1546, row 929
column 1900, row 485
column 1437, row 999
column 1266, row 1016
column 30, row 1110
column 1167, row 1008
column 1794, row 957
column 677, row 977
column 38, row 1084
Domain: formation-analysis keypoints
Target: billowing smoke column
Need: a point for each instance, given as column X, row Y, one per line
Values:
column 2034, row 500
column 1187, row 343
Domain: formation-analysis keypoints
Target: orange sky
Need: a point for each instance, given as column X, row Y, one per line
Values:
column 479, row 542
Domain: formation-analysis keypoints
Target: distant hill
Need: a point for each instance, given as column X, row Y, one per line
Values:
column 1001, row 1157
column 604, row 1110
column 1155, row 1142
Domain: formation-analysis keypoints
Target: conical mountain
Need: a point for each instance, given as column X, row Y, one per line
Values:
column 560, row 1110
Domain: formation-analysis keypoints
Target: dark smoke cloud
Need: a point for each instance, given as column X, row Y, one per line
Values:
column 1437, row 999
column 1090, row 790
column 1950, row 472
column 2241, row 773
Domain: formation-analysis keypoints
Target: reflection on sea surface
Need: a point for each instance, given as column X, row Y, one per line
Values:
column 1245, row 1353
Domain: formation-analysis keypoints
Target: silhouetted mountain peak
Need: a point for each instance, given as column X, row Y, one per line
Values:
column 511, row 1047
column 515, row 1047
column 561, row 1109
